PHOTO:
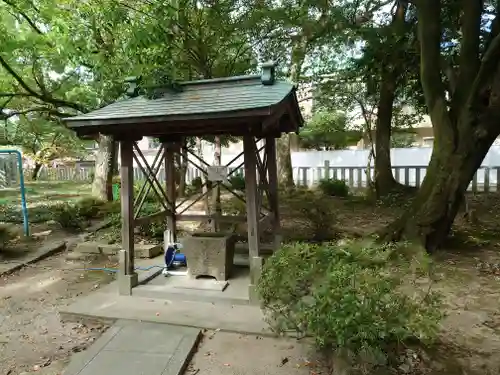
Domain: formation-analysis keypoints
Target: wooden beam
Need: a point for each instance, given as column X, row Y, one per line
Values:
column 170, row 149
column 162, row 214
column 272, row 170
column 251, row 194
column 127, row 204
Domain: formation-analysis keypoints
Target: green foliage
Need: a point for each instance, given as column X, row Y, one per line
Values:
column 333, row 187
column 314, row 211
column 195, row 186
column 328, row 131
column 237, row 181
column 233, row 206
column 77, row 215
column 155, row 228
column 89, row 208
column 402, row 139
column 350, row 295
column 151, row 197
column 68, row 216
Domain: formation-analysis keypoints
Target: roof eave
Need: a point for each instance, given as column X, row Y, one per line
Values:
column 74, row 123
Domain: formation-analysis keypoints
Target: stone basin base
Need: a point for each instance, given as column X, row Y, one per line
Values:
column 209, row 254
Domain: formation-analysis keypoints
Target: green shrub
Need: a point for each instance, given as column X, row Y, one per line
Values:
column 68, row 216
column 237, row 182
column 196, row 183
column 155, row 228
column 151, row 197
column 233, row 206
column 313, row 211
column 333, row 187
column 110, row 208
column 349, row 295
column 89, row 208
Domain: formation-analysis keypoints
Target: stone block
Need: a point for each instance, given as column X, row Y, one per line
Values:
column 88, row 248
column 110, row 249
column 140, row 250
column 209, row 254
column 147, row 250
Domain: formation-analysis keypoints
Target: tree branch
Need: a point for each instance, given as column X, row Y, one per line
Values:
column 48, row 111
column 429, row 33
column 469, row 52
column 33, row 93
column 24, row 16
column 489, row 64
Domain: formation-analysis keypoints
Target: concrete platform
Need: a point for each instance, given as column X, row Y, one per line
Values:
column 184, row 288
column 110, row 307
column 198, row 308
column 137, row 348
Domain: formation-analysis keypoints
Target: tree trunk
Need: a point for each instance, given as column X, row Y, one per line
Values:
column 284, row 156
column 384, row 179
column 385, row 182
column 284, row 159
column 103, row 175
column 430, row 217
column 464, row 127
column 36, row 170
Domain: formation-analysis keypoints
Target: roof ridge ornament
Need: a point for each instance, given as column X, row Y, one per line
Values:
column 133, row 88
column 268, row 75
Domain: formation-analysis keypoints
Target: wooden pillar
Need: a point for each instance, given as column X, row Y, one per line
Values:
column 272, row 170
column 250, row 158
column 170, row 150
column 216, row 203
column 127, row 277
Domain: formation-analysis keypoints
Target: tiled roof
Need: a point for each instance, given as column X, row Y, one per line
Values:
column 196, row 97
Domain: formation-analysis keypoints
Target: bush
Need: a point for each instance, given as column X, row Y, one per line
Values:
column 196, row 183
column 348, row 295
column 77, row 215
column 89, row 208
column 68, row 216
column 314, row 211
column 233, row 206
column 237, row 182
column 151, row 197
column 333, row 187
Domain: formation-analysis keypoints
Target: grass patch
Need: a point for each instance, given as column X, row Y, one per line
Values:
column 41, row 198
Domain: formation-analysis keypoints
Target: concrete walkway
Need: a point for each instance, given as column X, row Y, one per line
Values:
column 108, row 305
column 129, row 348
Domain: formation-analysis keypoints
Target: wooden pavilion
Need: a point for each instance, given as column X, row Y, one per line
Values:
column 256, row 107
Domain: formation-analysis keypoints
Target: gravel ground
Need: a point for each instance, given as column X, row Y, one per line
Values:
column 32, row 337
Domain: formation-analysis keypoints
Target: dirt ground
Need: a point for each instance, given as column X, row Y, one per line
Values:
column 32, row 337
column 222, row 353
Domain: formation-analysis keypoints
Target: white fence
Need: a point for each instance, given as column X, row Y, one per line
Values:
column 409, row 168
column 8, row 170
